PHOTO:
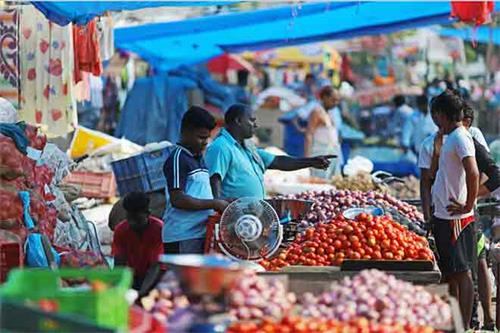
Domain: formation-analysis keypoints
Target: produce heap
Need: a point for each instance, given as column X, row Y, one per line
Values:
column 372, row 301
column 378, row 296
column 328, row 204
column 360, row 182
column 310, row 325
column 252, row 297
column 367, row 237
column 408, row 189
column 18, row 172
column 29, row 168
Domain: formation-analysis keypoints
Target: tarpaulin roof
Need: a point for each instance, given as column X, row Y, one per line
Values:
column 166, row 45
column 479, row 35
column 80, row 12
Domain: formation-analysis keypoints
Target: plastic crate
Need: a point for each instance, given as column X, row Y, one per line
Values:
column 99, row 185
column 143, row 173
column 11, row 257
column 107, row 308
column 36, row 320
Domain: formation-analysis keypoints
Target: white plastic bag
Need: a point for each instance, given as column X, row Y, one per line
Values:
column 357, row 165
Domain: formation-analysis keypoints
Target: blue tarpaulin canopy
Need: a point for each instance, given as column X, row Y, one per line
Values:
column 479, row 35
column 80, row 12
column 166, row 45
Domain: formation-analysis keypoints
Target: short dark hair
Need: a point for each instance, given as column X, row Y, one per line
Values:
column 136, row 202
column 197, row 118
column 235, row 111
column 468, row 111
column 423, row 101
column 450, row 104
column 399, row 100
column 310, row 76
column 326, row 92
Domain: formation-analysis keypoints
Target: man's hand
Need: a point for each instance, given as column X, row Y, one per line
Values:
column 456, row 208
column 321, row 162
column 220, row 205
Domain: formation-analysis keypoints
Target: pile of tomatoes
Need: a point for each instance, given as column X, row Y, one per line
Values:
column 367, row 237
column 300, row 324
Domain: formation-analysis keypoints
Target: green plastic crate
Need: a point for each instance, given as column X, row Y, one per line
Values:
column 107, row 308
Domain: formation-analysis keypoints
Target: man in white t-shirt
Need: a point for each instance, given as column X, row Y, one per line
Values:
column 454, row 194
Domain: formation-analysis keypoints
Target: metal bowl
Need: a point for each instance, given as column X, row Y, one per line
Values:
column 352, row 213
column 203, row 275
column 290, row 209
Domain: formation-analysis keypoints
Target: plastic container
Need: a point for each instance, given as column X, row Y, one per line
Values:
column 352, row 213
column 36, row 320
column 10, row 257
column 108, row 308
column 143, row 173
column 99, row 185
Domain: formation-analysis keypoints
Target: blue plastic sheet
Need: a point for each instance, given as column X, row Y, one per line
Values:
column 80, row 12
column 478, row 35
column 200, row 39
column 157, row 103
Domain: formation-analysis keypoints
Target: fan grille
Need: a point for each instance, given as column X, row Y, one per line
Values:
column 264, row 245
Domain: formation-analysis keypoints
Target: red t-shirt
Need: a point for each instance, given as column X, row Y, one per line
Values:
column 141, row 250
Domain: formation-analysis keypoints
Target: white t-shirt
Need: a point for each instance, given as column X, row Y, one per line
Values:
column 426, row 151
column 450, row 178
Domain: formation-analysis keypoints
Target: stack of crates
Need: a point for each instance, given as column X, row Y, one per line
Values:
column 99, row 185
column 142, row 173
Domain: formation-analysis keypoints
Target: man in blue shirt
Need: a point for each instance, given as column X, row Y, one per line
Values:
column 237, row 166
column 189, row 196
column 418, row 126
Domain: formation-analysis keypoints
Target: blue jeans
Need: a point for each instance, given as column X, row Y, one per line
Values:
column 188, row 246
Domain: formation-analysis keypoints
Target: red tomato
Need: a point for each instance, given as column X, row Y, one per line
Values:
column 377, row 255
column 388, row 255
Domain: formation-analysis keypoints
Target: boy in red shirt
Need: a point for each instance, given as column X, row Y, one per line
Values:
column 137, row 241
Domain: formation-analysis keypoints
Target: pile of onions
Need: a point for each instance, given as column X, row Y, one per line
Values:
column 165, row 298
column 328, row 204
column 380, row 297
column 255, row 297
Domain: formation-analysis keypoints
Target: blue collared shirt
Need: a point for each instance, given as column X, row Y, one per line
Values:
column 240, row 168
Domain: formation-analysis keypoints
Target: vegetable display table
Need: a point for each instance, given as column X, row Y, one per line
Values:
column 318, row 279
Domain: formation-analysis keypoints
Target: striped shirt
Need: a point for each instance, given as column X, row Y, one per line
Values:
column 188, row 173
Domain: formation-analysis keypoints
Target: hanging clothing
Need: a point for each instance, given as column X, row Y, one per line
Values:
column 87, row 51
column 82, row 88
column 9, row 66
column 46, row 72
column 96, row 90
column 106, row 37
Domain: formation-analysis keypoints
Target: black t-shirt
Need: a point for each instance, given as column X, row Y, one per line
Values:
column 487, row 165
